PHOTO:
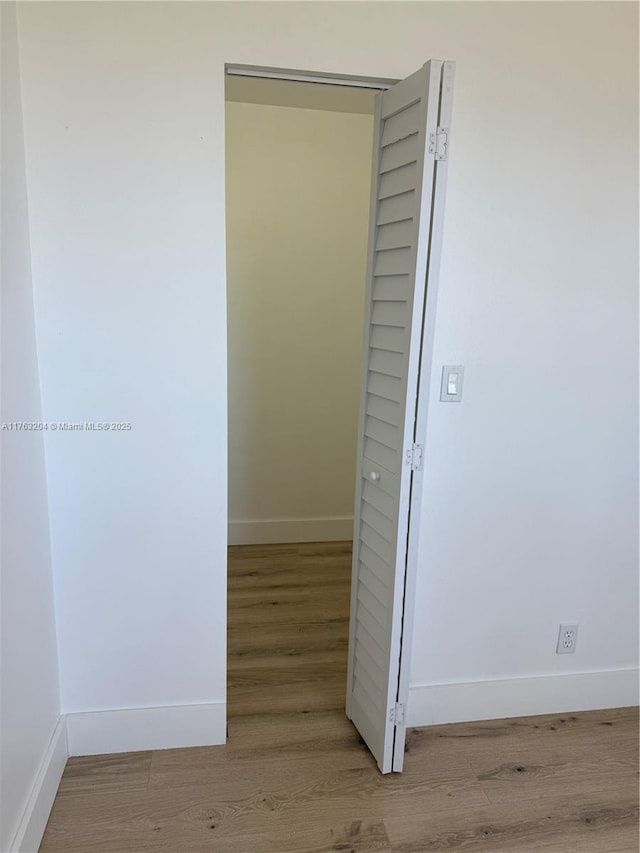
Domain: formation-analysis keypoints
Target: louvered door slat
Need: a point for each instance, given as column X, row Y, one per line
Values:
column 395, row 235
column 376, row 587
column 380, row 454
column 374, row 563
column 390, row 313
column 382, row 432
column 373, row 606
column 391, row 288
column 385, row 386
column 403, row 124
column 380, row 547
column 368, row 683
column 393, row 262
column 384, row 410
column 365, row 640
column 368, row 661
column 383, row 361
column 398, row 181
column 377, row 520
column 372, row 625
column 396, row 208
column 379, row 499
column 404, row 151
column 389, row 337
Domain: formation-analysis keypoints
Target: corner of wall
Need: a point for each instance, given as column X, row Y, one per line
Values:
column 39, row 802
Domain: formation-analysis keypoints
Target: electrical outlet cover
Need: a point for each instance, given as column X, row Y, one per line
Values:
column 567, row 638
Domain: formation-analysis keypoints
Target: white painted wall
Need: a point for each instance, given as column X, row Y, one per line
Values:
column 127, row 190
column 531, row 508
column 298, row 185
column 29, row 702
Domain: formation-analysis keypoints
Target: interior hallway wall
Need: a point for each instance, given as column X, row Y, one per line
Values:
column 298, row 183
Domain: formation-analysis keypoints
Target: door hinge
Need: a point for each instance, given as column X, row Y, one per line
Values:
column 396, row 714
column 439, row 143
column 414, row 457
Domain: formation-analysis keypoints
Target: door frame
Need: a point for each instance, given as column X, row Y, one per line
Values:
column 427, row 339
column 234, row 69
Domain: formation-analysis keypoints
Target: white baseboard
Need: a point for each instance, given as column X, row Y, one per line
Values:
column 136, row 729
column 276, row 530
column 40, row 801
column 433, row 704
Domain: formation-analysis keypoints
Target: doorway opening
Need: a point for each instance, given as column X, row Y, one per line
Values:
column 298, row 170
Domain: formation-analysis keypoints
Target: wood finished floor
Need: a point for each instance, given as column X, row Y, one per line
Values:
column 294, row 775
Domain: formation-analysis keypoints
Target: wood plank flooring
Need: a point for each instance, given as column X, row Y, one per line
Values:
column 295, row 777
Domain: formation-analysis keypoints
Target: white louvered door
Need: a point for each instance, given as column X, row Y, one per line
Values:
column 409, row 160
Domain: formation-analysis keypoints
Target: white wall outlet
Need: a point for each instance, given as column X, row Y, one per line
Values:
column 567, row 639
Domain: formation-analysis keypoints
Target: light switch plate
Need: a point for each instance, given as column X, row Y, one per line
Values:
column 452, row 377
